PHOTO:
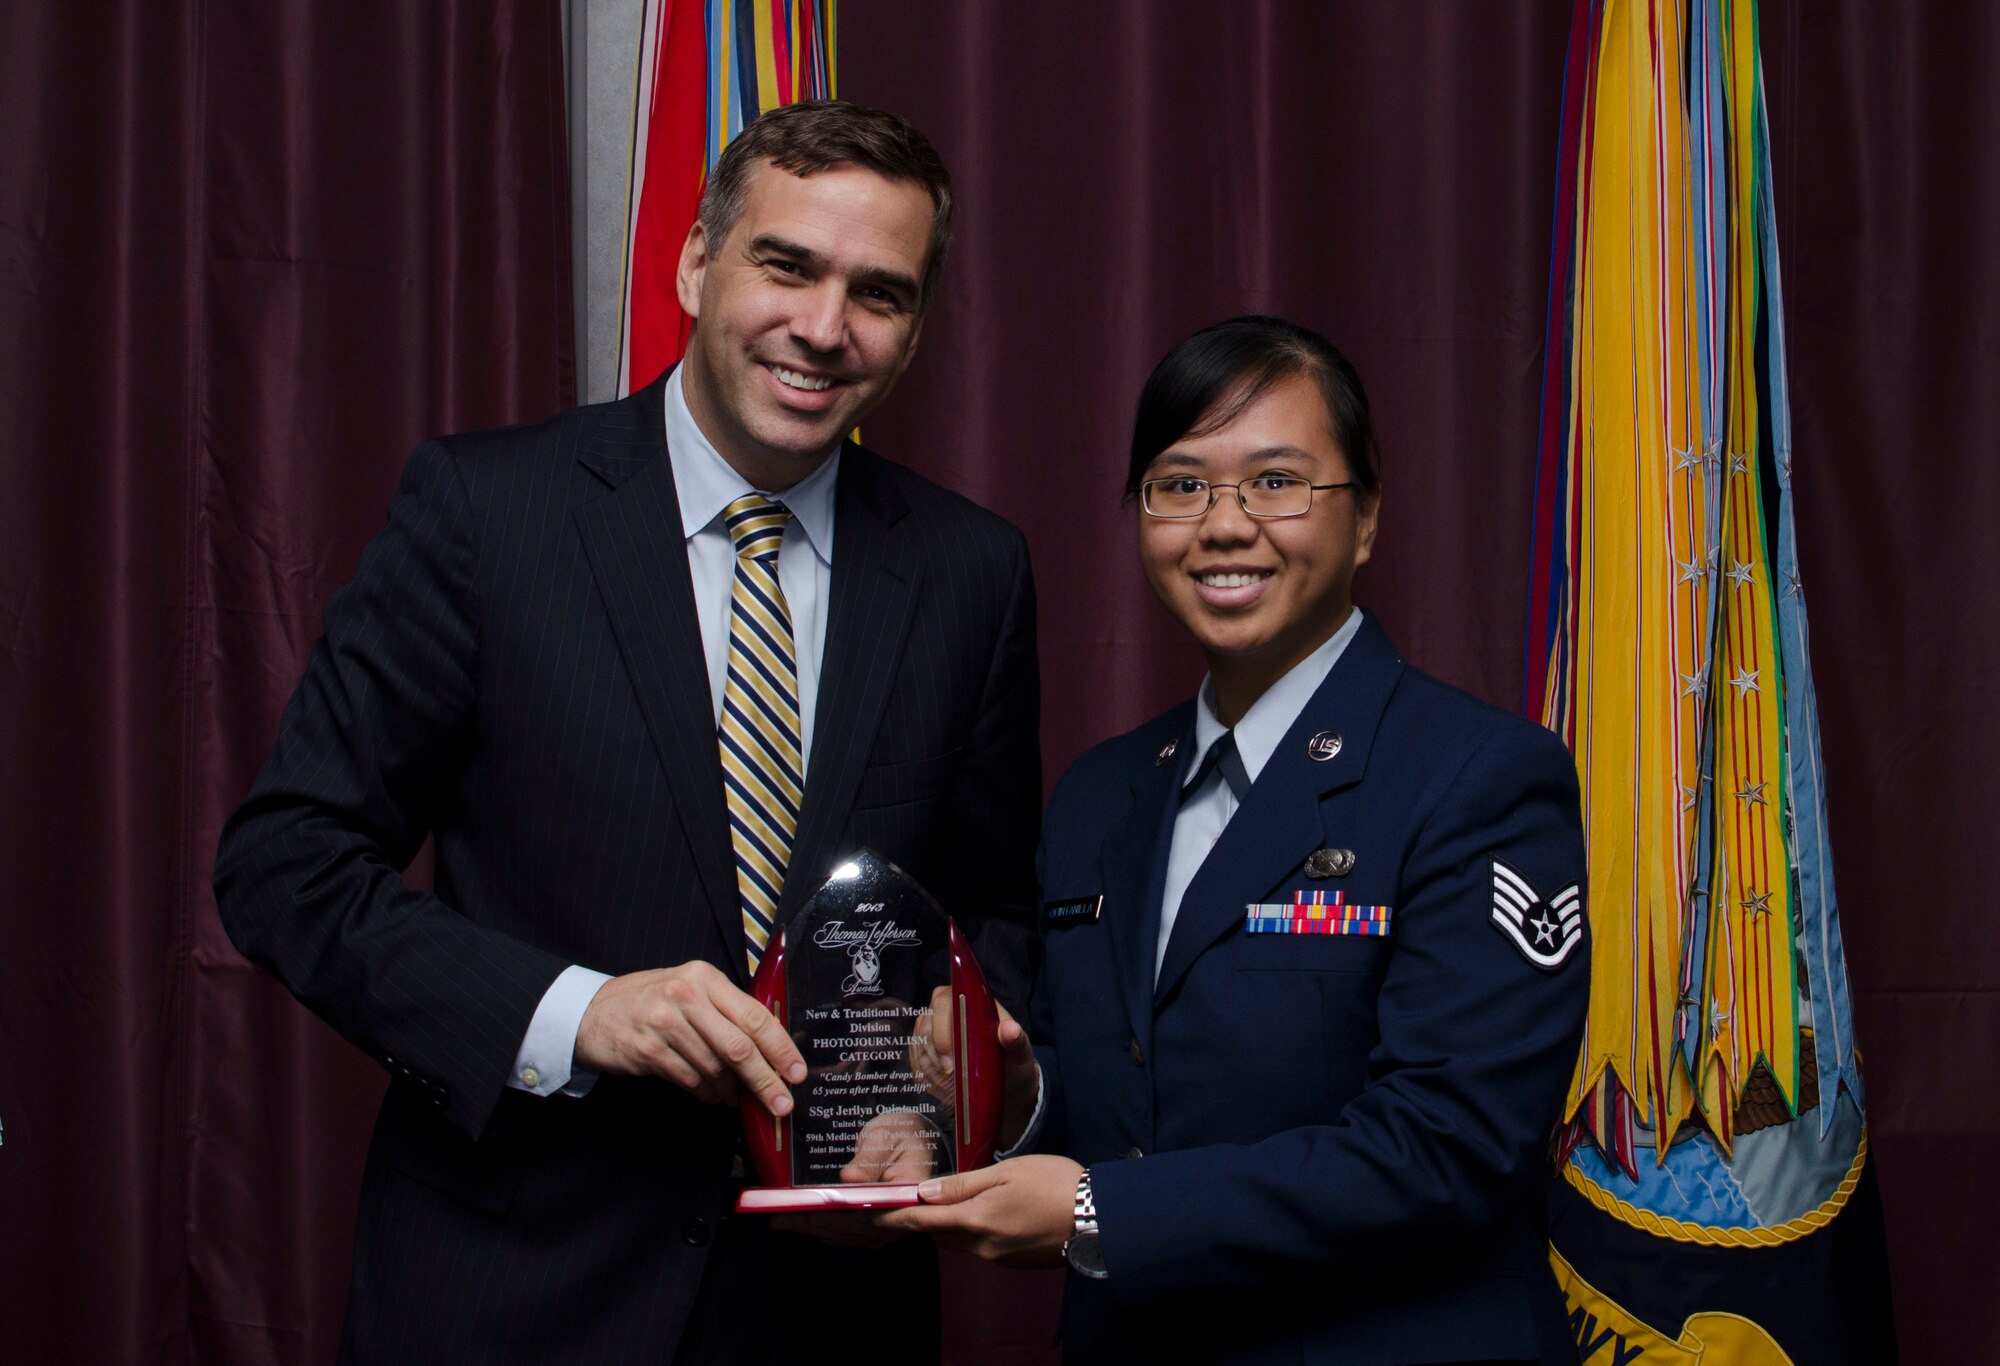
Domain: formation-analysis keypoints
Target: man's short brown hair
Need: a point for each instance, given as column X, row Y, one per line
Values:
column 818, row 135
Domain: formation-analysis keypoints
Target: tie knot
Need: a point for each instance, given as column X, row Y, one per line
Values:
column 756, row 526
column 1221, row 758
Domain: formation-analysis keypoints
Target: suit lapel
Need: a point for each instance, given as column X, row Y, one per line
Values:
column 1135, row 875
column 874, row 588
column 638, row 553
column 1278, row 823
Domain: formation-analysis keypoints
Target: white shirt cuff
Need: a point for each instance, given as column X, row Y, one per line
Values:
column 1034, row 1129
column 547, row 1060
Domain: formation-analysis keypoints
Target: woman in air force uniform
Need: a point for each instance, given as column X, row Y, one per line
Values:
column 1316, row 963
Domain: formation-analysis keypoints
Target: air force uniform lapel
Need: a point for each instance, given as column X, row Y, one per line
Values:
column 1135, row 871
column 1279, row 824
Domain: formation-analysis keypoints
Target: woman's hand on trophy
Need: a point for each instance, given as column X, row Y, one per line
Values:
column 898, row 1146
column 1018, row 1213
column 932, row 1060
column 1021, row 1084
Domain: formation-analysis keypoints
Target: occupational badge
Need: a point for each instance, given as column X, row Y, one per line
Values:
column 1329, row 863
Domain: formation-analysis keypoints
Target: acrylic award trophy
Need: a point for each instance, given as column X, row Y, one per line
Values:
column 883, row 998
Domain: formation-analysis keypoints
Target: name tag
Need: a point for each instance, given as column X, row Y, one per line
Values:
column 1063, row 915
column 1318, row 913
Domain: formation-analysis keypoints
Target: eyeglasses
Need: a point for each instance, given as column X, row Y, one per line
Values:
column 1267, row 496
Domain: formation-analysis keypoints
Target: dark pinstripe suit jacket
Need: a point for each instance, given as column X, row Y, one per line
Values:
column 516, row 670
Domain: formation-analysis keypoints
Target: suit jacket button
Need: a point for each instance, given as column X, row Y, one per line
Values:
column 1138, row 1057
column 695, row 1231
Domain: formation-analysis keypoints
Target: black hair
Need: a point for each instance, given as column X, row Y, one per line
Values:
column 1203, row 383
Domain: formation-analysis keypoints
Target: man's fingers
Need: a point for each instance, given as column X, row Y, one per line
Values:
column 741, row 1062
column 681, row 1055
column 764, row 1030
column 667, row 1042
column 692, row 1026
column 681, row 1073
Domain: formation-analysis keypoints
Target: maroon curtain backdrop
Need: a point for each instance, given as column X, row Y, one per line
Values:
column 251, row 250
column 1384, row 172
column 250, row 253
column 1885, row 139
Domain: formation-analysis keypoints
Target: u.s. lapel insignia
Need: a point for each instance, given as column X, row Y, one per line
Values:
column 1545, row 931
column 1323, row 746
column 1166, row 752
column 1329, row 863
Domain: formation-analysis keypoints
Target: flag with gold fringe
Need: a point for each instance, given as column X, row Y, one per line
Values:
column 1714, row 1202
column 706, row 69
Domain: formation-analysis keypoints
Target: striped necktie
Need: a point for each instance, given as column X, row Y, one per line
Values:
column 762, row 769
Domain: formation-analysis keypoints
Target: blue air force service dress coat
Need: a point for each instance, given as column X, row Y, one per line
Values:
column 1320, row 1146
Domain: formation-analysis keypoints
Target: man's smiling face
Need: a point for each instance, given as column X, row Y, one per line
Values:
column 806, row 314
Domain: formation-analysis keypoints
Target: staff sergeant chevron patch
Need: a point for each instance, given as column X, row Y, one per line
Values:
column 1545, row 932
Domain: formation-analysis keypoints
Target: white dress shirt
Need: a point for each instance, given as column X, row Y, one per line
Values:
column 705, row 484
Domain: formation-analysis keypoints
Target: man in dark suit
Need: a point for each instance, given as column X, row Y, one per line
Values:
column 646, row 672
